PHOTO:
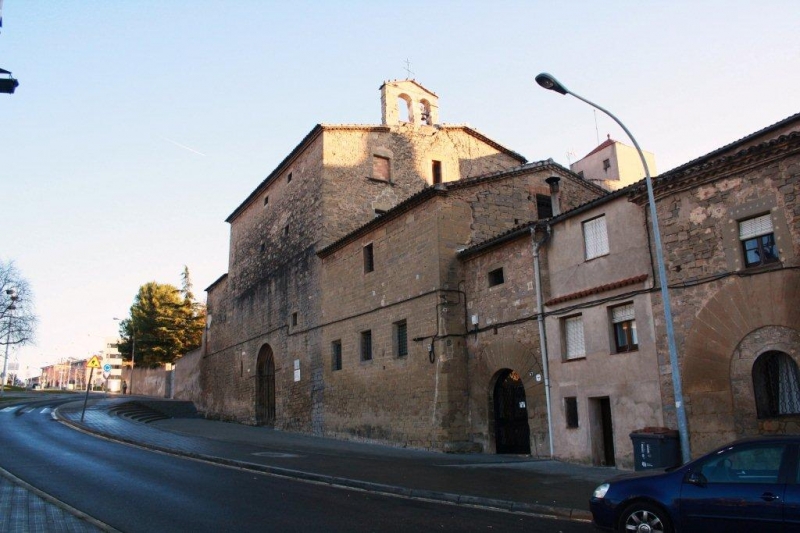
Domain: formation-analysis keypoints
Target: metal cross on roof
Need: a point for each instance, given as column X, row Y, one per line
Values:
column 410, row 73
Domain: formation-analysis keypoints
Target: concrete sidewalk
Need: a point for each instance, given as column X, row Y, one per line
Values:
column 511, row 483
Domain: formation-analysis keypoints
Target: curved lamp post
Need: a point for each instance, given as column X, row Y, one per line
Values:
column 549, row 82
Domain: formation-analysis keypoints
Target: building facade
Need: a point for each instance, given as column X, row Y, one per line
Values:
column 418, row 284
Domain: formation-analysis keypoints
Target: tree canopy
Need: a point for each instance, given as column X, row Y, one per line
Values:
column 17, row 318
column 164, row 323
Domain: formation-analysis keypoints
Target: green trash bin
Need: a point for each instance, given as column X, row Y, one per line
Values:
column 655, row 447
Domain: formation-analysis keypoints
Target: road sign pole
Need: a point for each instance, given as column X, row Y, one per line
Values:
column 93, row 363
column 86, row 399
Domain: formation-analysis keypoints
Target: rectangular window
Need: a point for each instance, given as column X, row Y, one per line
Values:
column 266, row 201
column 369, row 259
column 401, row 338
column 624, row 322
column 758, row 241
column 289, row 178
column 366, row 345
column 544, row 206
column 573, row 337
column 436, row 172
column 381, row 168
column 595, row 237
column 496, row 277
column 571, row 411
column 336, row 355
column 294, row 319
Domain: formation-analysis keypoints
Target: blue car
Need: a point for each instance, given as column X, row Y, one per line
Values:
column 750, row 485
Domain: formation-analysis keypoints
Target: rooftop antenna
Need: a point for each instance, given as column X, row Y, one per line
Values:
column 409, row 72
column 570, row 155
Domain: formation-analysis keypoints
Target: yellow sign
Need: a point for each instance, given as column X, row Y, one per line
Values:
column 94, row 362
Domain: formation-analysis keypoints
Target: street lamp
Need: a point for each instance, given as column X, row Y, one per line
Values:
column 133, row 354
column 549, row 82
column 12, row 295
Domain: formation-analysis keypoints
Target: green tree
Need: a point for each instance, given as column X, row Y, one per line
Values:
column 164, row 323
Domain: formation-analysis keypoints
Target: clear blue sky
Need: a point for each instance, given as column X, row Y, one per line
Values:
column 139, row 126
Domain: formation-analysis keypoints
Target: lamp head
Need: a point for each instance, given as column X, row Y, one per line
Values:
column 549, row 82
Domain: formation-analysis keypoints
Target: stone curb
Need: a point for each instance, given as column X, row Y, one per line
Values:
column 565, row 513
column 52, row 500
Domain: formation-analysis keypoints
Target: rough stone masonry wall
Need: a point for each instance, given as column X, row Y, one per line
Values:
column 272, row 274
column 501, row 204
column 350, row 194
column 508, row 346
column 406, row 400
column 712, row 318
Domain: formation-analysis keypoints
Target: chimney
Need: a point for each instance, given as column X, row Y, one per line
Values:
column 555, row 198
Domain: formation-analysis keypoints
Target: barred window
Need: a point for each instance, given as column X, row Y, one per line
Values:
column 776, row 385
column 401, row 338
column 595, row 237
column 573, row 337
column 336, row 355
column 366, row 345
column 624, row 323
column 758, row 241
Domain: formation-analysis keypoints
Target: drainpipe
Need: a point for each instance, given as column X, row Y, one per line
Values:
column 542, row 334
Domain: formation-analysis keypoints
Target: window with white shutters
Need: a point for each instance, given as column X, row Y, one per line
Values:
column 624, row 324
column 758, row 241
column 573, row 337
column 595, row 237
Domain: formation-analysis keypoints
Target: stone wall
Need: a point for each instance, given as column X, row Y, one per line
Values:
column 714, row 312
column 274, row 274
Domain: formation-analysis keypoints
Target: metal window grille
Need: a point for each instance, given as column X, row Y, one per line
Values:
column 366, row 345
column 595, row 237
column 574, row 337
column 755, row 227
column 776, row 385
column 401, row 338
column 336, row 349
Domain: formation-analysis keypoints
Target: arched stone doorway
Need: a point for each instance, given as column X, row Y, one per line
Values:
column 512, row 433
column 265, row 387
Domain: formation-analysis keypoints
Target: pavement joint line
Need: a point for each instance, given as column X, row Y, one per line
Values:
column 478, row 502
column 58, row 503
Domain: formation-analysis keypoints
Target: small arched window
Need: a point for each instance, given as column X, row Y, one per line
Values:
column 776, row 385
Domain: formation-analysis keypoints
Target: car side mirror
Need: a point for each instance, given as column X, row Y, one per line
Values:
column 696, row 478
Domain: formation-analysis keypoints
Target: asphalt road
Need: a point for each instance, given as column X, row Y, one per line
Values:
column 135, row 490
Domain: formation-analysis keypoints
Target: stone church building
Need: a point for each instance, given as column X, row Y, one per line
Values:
column 400, row 283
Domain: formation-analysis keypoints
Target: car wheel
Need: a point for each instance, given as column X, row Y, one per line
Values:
column 644, row 518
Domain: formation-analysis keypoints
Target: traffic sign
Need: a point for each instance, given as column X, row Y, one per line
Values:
column 106, row 368
column 94, row 362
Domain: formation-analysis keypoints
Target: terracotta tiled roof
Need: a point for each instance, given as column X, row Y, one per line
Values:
column 597, row 290
column 605, row 144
